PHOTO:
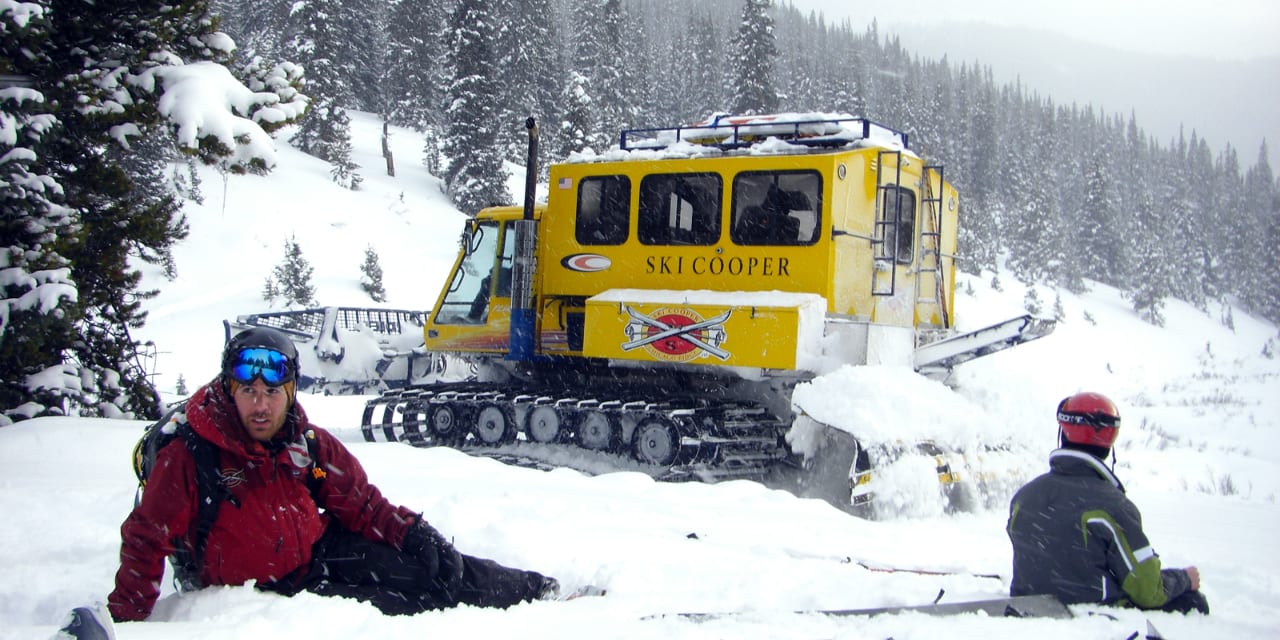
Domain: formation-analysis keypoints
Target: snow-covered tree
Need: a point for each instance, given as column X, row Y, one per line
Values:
column 371, row 276
column 1097, row 245
column 37, row 297
column 1261, row 286
column 599, row 56
column 612, row 79
column 1031, row 301
column 415, row 68
column 529, row 74
column 475, row 178
column 578, row 118
column 321, row 45
column 110, row 74
column 261, row 28
column 701, row 90
column 293, row 277
column 751, row 66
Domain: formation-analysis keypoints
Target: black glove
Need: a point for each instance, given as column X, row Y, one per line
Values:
column 443, row 562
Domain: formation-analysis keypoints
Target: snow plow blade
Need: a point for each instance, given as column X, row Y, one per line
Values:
column 836, row 467
column 938, row 358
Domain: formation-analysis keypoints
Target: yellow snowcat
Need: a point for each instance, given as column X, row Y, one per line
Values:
column 669, row 294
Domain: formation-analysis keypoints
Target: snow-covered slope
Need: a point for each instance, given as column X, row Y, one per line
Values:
column 1198, row 453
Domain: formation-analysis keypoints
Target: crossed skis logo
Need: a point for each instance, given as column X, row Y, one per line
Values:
column 676, row 334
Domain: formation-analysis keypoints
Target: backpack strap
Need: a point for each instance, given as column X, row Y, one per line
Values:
column 210, row 494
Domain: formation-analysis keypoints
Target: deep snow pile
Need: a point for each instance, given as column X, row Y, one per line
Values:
column 1198, row 453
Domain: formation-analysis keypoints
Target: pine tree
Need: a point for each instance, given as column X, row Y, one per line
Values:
column 475, row 178
column 578, row 118
column 37, row 297
column 365, row 47
column 180, row 387
column 270, row 291
column 754, row 53
column 293, row 276
column 529, row 74
column 612, row 79
column 1260, row 287
column 1147, row 292
column 371, row 276
column 101, row 70
column 701, row 95
column 431, row 157
column 1098, row 245
column 599, row 57
column 415, row 76
column 321, row 44
column 1031, row 301
column 260, row 28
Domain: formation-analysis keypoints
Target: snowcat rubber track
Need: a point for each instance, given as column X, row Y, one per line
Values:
column 679, row 438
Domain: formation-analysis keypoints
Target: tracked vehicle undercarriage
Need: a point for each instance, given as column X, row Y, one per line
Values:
column 681, row 436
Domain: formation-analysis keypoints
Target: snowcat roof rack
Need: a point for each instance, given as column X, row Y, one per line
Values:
column 736, row 132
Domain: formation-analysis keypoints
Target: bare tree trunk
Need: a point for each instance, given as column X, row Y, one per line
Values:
column 386, row 150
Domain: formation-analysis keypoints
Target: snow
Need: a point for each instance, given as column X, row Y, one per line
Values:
column 1198, row 454
column 21, row 12
column 204, row 100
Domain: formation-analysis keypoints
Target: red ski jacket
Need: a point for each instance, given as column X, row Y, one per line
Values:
column 270, row 533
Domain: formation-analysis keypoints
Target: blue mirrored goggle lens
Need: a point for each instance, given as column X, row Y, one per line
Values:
column 268, row 364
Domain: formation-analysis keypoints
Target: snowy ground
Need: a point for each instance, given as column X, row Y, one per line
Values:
column 1198, row 453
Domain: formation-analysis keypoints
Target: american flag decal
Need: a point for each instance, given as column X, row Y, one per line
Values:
column 566, row 183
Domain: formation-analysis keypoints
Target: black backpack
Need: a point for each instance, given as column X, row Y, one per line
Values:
column 186, row 560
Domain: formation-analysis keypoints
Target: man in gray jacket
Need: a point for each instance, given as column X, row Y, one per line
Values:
column 1077, row 536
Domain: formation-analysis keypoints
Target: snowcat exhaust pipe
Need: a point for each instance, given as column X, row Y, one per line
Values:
column 523, row 313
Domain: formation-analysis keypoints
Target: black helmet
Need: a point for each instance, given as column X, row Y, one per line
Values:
column 260, row 352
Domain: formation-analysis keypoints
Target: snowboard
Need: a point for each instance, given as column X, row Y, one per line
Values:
column 1037, row 606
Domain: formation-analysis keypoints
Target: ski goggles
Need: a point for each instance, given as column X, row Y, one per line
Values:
column 1095, row 420
column 268, row 364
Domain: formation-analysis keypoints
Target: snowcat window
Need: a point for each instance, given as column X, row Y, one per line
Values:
column 604, row 210
column 898, row 219
column 777, row 208
column 467, row 301
column 680, row 208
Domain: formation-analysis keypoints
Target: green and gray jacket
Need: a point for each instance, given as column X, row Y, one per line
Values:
column 1077, row 536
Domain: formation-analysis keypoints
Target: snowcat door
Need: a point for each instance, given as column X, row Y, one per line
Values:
column 892, row 284
column 474, row 313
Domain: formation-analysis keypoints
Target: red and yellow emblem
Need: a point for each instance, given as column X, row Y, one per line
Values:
column 676, row 334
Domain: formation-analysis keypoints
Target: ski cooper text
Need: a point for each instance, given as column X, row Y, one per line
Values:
column 717, row 265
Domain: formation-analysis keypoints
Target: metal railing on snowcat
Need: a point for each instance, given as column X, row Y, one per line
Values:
column 350, row 350
column 737, row 132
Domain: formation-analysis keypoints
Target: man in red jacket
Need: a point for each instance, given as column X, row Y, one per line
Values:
column 338, row 536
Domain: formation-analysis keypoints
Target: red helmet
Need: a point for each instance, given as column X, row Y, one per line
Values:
column 1090, row 419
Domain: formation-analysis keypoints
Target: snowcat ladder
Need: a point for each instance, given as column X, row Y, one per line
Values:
column 884, row 237
column 931, row 245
